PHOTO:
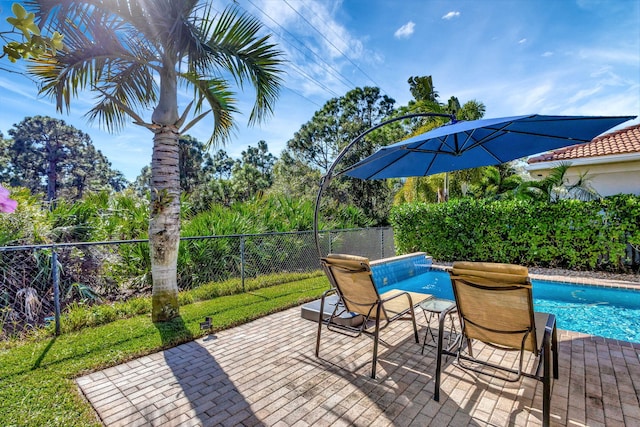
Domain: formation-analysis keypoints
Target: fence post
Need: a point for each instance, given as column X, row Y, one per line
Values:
column 242, row 261
column 330, row 243
column 56, row 288
column 381, row 242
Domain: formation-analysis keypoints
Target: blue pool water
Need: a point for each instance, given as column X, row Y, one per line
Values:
column 606, row 312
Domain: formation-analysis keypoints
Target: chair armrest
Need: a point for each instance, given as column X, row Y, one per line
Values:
column 551, row 324
column 409, row 297
column 414, row 298
column 396, row 296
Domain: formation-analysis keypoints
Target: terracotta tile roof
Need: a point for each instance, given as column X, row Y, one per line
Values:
column 623, row 141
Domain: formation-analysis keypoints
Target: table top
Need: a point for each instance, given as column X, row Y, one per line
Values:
column 436, row 305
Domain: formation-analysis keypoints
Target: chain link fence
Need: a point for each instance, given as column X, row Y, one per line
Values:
column 38, row 282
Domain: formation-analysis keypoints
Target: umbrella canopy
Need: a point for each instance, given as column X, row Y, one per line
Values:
column 470, row 144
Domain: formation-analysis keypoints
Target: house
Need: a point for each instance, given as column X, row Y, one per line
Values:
column 611, row 162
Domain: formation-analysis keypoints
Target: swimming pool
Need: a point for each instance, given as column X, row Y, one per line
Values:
column 606, row 312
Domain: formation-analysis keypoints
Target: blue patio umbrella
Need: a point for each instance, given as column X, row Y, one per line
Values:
column 470, row 144
column 467, row 144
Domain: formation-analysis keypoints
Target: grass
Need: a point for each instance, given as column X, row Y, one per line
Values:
column 37, row 385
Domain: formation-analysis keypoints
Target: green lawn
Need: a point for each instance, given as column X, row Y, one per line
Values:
column 37, row 377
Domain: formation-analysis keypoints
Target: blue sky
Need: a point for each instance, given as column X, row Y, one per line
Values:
column 566, row 57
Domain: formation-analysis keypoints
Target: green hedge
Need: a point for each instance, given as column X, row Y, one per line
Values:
column 569, row 234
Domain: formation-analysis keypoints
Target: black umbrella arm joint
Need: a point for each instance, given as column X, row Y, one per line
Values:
column 326, row 178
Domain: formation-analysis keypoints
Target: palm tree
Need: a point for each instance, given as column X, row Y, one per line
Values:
column 554, row 187
column 133, row 54
column 498, row 182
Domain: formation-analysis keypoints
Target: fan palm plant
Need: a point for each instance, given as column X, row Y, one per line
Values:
column 555, row 186
column 133, row 54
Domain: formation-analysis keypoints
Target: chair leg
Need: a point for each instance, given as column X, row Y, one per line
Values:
column 320, row 316
column 469, row 346
column 546, row 381
column 554, row 347
column 415, row 326
column 375, row 345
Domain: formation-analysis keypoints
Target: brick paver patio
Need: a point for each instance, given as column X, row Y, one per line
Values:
column 265, row 373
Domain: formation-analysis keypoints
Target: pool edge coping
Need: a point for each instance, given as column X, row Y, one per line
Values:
column 604, row 283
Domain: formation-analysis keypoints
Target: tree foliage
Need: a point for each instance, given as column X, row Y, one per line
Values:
column 193, row 162
column 221, row 165
column 48, row 156
column 318, row 142
column 253, row 173
column 422, row 88
column 336, row 124
column 294, row 177
column 496, row 182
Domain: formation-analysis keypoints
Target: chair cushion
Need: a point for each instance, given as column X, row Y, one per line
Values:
column 348, row 257
column 495, row 272
column 353, row 262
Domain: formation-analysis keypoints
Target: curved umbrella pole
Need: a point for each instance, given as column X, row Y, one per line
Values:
column 326, row 178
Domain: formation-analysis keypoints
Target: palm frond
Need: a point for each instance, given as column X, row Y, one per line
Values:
column 236, row 45
column 101, row 52
column 532, row 190
column 582, row 189
column 557, row 174
column 221, row 100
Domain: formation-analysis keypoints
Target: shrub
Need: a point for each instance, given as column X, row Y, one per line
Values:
column 569, row 233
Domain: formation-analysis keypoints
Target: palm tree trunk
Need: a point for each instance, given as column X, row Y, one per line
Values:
column 164, row 223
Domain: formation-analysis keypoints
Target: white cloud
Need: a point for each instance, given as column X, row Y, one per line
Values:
column 609, row 55
column 18, row 89
column 405, row 31
column 584, row 94
column 607, row 77
column 510, row 98
column 605, row 104
column 563, row 91
column 315, row 22
column 275, row 11
column 318, row 47
column 522, row 41
column 535, row 97
column 547, row 54
column 451, row 15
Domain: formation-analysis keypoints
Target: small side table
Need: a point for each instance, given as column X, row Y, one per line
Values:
column 434, row 307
